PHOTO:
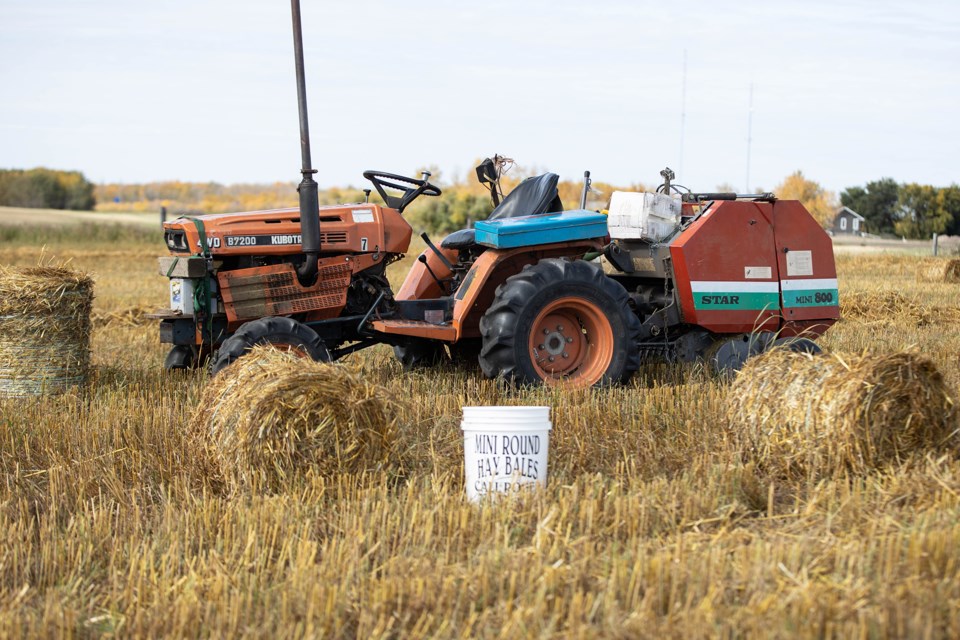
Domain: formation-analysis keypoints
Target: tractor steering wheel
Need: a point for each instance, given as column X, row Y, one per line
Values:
column 411, row 188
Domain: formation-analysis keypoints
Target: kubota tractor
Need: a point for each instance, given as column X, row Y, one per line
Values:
column 532, row 294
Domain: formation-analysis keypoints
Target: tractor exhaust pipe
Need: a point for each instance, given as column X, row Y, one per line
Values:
column 309, row 201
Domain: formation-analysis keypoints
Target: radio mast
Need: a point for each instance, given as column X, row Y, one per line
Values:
column 683, row 113
column 746, row 186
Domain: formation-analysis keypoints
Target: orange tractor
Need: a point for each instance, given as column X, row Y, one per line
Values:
column 532, row 294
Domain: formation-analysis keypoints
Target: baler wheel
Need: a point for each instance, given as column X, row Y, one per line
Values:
column 560, row 322
column 283, row 333
column 797, row 345
column 728, row 356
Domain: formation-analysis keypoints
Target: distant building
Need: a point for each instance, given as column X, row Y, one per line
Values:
column 847, row 221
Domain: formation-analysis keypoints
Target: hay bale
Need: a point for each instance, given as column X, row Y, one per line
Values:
column 930, row 271
column 952, row 271
column 797, row 415
column 880, row 306
column 44, row 329
column 938, row 270
column 271, row 417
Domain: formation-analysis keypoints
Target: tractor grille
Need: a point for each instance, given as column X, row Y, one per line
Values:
column 275, row 291
column 334, row 237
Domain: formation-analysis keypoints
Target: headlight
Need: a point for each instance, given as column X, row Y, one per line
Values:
column 176, row 240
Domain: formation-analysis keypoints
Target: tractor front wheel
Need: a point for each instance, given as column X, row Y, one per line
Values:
column 282, row 333
column 560, row 322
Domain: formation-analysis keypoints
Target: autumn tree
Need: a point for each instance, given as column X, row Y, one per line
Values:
column 951, row 202
column 818, row 201
column 924, row 210
column 456, row 209
column 46, row 188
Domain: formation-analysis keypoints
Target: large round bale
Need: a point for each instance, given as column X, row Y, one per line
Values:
column 271, row 417
column 797, row 415
column 938, row 270
column 44, row 329
column 952, row 272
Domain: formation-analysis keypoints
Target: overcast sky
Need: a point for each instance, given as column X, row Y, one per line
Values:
column 204, row 90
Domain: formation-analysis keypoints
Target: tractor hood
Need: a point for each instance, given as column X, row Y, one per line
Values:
column 352, row 228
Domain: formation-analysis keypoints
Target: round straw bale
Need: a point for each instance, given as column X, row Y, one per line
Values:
column 952, row 272
column 930, row 271
column 797, row 415
column 271, row 417
column 938, row 270
column 44, row 329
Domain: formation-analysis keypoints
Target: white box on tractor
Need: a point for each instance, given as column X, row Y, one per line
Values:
column 645, row 216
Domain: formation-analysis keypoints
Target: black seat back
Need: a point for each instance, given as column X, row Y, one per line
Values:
column 531, row 197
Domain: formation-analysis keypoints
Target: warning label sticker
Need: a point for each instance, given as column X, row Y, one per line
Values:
column 757, row 273
column 799, row 263
column 362, row 215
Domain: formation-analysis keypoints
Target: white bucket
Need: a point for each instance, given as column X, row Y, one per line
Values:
column 505, row 449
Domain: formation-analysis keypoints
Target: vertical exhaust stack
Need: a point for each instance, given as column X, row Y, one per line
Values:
column 309, row 202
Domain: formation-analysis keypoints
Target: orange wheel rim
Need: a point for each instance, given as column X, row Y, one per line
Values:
column 571, row 342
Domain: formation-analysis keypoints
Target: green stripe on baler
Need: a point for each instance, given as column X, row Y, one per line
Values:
column 735, row 295
column 820, row 292
column 811, row 298
column 725, row 300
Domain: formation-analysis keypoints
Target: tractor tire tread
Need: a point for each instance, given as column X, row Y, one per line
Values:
column 269, row 330
column 498, row 326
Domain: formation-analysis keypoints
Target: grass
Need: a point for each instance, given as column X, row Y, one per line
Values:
column 116, row 235
column 650, row 526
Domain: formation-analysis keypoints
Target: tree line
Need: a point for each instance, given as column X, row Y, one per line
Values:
column 464, row 200
column 909, row 210
column 46, row 189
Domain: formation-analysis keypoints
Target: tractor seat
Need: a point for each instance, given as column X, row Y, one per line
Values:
column 533, row 196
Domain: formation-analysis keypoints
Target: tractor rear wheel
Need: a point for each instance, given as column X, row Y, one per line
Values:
column 560, row 322
column 282, row 333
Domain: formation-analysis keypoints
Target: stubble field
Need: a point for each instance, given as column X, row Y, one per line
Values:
column 653, row 524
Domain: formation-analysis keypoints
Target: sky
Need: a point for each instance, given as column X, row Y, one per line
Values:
column 197, row 90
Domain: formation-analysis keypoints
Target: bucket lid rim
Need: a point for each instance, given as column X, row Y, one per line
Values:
column 524, row 427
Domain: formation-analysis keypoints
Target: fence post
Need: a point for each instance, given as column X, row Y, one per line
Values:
column 936, row 237
column 163, row 215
